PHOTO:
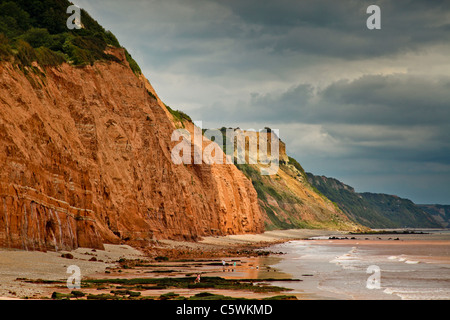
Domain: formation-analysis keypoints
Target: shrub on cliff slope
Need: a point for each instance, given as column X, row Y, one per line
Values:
column 179, row 116
column 36, row 31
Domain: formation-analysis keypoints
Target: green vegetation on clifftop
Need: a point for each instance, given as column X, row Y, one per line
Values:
column 35, row 30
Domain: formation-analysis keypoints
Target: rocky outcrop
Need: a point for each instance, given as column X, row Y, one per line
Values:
column 85, row 158
column 286, row 198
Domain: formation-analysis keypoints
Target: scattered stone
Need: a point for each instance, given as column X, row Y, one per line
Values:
column 61, row 296
column 168, row 296
column 77, row 294
column 161, row 258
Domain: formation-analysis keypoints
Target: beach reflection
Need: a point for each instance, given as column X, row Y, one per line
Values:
column 251, row 268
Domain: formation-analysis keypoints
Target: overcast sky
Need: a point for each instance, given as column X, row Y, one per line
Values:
column 368, row 107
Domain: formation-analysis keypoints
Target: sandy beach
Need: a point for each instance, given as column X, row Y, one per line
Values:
column 36, row 275
column 296, row 264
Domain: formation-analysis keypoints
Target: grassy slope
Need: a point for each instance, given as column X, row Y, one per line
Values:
column 290, row 202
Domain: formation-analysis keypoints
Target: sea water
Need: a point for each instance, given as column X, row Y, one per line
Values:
column 410, row 266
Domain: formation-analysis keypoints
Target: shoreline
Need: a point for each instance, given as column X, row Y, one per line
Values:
column 414, row 266
column 36, row 275
column 155, row 272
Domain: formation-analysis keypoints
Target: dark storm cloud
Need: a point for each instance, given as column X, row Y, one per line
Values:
column 252, row 35
column 338, row 28
column 389, row 118
column 262, row 31
column 397, row 99
column 393, row 99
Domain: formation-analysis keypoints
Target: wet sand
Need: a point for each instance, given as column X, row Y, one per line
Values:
column 416, row 266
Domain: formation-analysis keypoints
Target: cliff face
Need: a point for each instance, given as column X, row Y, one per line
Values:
column 85, row 158
column 372, row 209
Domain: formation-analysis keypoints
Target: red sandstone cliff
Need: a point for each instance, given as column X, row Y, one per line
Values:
column 85, row 158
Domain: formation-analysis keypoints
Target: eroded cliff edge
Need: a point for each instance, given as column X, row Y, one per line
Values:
column 85, row 159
